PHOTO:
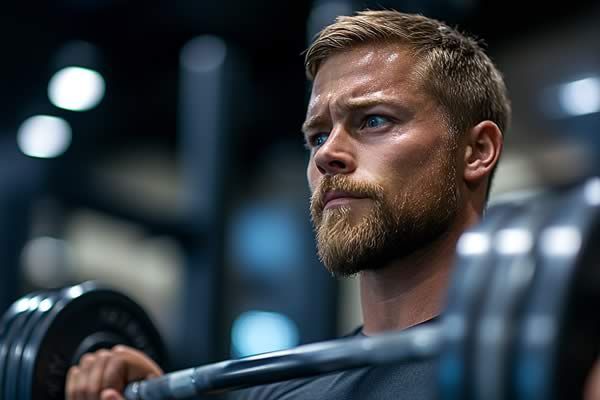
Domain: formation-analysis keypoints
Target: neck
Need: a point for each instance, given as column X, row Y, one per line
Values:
column 409, row 290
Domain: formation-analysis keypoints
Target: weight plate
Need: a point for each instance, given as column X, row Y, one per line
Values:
column 19, row 315
column 85, row 318
column 512, row 277
column 470, row 278
column 15, row 374
column 558, row 338
column 15, row 309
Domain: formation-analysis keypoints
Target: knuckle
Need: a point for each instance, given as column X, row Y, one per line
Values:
column 73, row 371
column 88, row 359
column 103, row 354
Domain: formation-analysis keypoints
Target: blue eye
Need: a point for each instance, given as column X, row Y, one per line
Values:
column 374, row 121
column 318, row 139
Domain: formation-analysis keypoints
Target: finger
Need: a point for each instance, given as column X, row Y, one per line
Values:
column 140, row 365
column 86, row 365
column 139, row 357
column 71, row 386
column 95, row 374
column 111, row 394
column 114, row 375
column 87, row 362
column 81, row 384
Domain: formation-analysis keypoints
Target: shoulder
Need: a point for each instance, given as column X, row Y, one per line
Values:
column 292, row 389
column 413, row 380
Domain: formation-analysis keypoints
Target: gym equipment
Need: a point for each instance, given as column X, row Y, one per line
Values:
column 43, row 334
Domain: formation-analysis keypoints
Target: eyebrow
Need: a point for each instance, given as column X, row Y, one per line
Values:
column 359, row 103
column 369, row 102
column 313, row 123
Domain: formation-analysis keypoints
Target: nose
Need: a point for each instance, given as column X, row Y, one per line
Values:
column 336, row 155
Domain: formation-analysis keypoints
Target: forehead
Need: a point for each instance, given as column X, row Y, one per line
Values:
column 364, row 70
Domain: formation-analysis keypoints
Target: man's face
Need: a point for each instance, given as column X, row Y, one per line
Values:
column 382, row 168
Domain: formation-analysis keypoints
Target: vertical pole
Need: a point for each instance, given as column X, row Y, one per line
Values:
column 205, row 132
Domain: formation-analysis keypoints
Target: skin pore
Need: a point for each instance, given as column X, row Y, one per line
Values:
column 393, row 188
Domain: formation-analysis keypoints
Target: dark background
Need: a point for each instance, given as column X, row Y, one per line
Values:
column 140, row 42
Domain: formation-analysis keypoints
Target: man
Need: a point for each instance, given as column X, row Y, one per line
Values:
column 404, row 128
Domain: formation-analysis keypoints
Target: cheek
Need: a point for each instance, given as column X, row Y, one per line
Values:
column 311, row 176
column 405, row 164
column 405, row 168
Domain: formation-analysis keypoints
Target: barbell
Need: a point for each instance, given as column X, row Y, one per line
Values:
column 518, row 322
column 44, row 333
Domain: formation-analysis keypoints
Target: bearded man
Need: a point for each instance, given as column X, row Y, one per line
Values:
column 405, row 128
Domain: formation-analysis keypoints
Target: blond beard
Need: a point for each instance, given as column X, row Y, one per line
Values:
column 391, row 229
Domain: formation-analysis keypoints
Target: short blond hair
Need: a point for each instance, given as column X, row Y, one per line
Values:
column 453, row 67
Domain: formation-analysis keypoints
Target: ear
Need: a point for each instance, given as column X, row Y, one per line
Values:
column 482, row 151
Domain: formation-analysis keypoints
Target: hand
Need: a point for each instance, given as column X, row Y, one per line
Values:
column 592, row 385
column 104, row 374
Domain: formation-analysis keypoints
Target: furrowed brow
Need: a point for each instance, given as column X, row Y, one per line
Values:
column 314, row 123
column 318, row 122
column 369, row 102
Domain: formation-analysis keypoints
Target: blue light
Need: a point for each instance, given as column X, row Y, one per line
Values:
column 267, row 240
column 256, row 332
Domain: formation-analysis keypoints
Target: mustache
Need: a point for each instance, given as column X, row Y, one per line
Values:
column 342, row 183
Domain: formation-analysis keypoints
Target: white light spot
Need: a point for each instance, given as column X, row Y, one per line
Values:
column 580, row 97
column 425, row 339
column 45, row 305
column 256, row 332
column 22, row 305
column 560, row 241
column 33, row 303
column 44, row 136
column 591, row 192
column 75, row 291
column 473, row 243
column 76, row 88
column 513, row 241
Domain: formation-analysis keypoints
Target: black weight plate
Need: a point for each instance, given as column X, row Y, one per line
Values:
column 24, row 308
column 15, row 309
column 15, row 347
column 15, row 375
column 558, row 338
column 470, row 279
column 512, row 277
column 85, row 318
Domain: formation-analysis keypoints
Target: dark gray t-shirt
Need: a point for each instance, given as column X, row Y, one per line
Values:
column 410, row 381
